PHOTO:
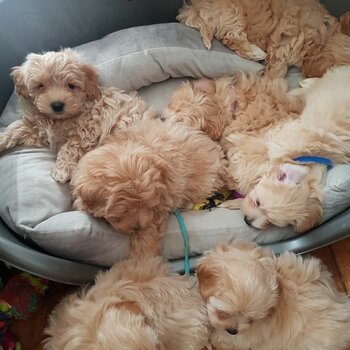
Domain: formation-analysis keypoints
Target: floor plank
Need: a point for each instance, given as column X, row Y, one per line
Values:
column 326, row 255
column 341, row 251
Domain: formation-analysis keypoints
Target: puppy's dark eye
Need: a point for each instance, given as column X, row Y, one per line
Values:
column 257, row 203
column 71, row 86
column 40, row 86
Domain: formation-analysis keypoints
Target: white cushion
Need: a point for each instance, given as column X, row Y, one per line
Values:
column 38, row 208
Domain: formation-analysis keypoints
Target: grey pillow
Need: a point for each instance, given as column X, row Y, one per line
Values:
column 38, row 208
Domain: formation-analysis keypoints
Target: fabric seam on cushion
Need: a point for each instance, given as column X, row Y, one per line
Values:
column 175, row 47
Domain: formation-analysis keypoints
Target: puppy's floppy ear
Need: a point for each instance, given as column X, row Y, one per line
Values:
column 207, row 277
column 18, row 79
column 91, row 85
column 312, row 217
column 291, row 174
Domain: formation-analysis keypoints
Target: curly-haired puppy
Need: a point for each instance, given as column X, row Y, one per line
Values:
column 242, row 107
column 291, row 32
column 66, row 110
column 262, row 103
column 245, row 103
column 136, row 305
column 151, row 169
column 258, row 301
column 290, row 192
column 204, row 104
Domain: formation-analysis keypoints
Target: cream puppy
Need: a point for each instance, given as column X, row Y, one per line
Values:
column 136, row 305
column 258, row 301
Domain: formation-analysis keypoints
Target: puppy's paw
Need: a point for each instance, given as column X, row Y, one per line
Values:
column 60, row 174
column 308, row 83
column 255, row 53
column 233, row 204
column 207, row 43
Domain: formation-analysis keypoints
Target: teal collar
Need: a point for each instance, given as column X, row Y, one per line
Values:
column 185, row 238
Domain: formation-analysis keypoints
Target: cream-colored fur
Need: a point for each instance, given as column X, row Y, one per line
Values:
column 289, row 192
column 258, row 301
column 291, row 32
column 345, row 23
column 135, row 305
column 151, row 169
column 204, row 104
column 66, row 110
column 244, row 106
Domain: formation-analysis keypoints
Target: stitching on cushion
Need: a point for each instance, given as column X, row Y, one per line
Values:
column 149, row 50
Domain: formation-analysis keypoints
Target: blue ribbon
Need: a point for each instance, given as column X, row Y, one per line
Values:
column 185, row 238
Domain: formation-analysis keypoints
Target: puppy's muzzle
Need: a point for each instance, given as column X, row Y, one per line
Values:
column 57, row 106
column 232, row 331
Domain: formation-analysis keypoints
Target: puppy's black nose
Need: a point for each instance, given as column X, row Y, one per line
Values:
column 57, row 106
column 232, row 331
column 247, row 220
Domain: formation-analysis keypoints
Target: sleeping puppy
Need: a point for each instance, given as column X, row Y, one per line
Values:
column 258, row 301
column 137, row 304
column 148, row 170
column 285, row 33
column 290, row 191
column 238, row 111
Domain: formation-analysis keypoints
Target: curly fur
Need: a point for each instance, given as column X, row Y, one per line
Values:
column 290, row 193
column 135, row 305
column 66, row 110
column 345, row 23
column 280, row 303
column 203, row 104
column 151, row 169
column 292, row 32
column 246, row 106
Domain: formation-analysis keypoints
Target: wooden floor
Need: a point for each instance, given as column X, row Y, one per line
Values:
column 29, row 332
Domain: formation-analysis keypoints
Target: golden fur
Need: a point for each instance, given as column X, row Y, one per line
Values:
column 152, row 169
column 258, row 301
column 245, row 106
column 66, row 110
column 245, row 103
column 345, row 23
column 204, row 104
column 292, row 32
column 289, row 192
column 135, row 305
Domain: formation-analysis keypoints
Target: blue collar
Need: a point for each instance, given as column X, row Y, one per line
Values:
column 311, row 159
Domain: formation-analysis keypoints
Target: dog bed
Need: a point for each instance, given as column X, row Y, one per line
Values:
column 154, row 60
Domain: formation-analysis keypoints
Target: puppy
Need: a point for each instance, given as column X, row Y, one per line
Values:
column 204, row 104
column 151, row 169
column 66, row 110
column 245, row 103
column 290, row 192
column 293, row 32
column 258, row 301
column 135, row 305
column 242, row 107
